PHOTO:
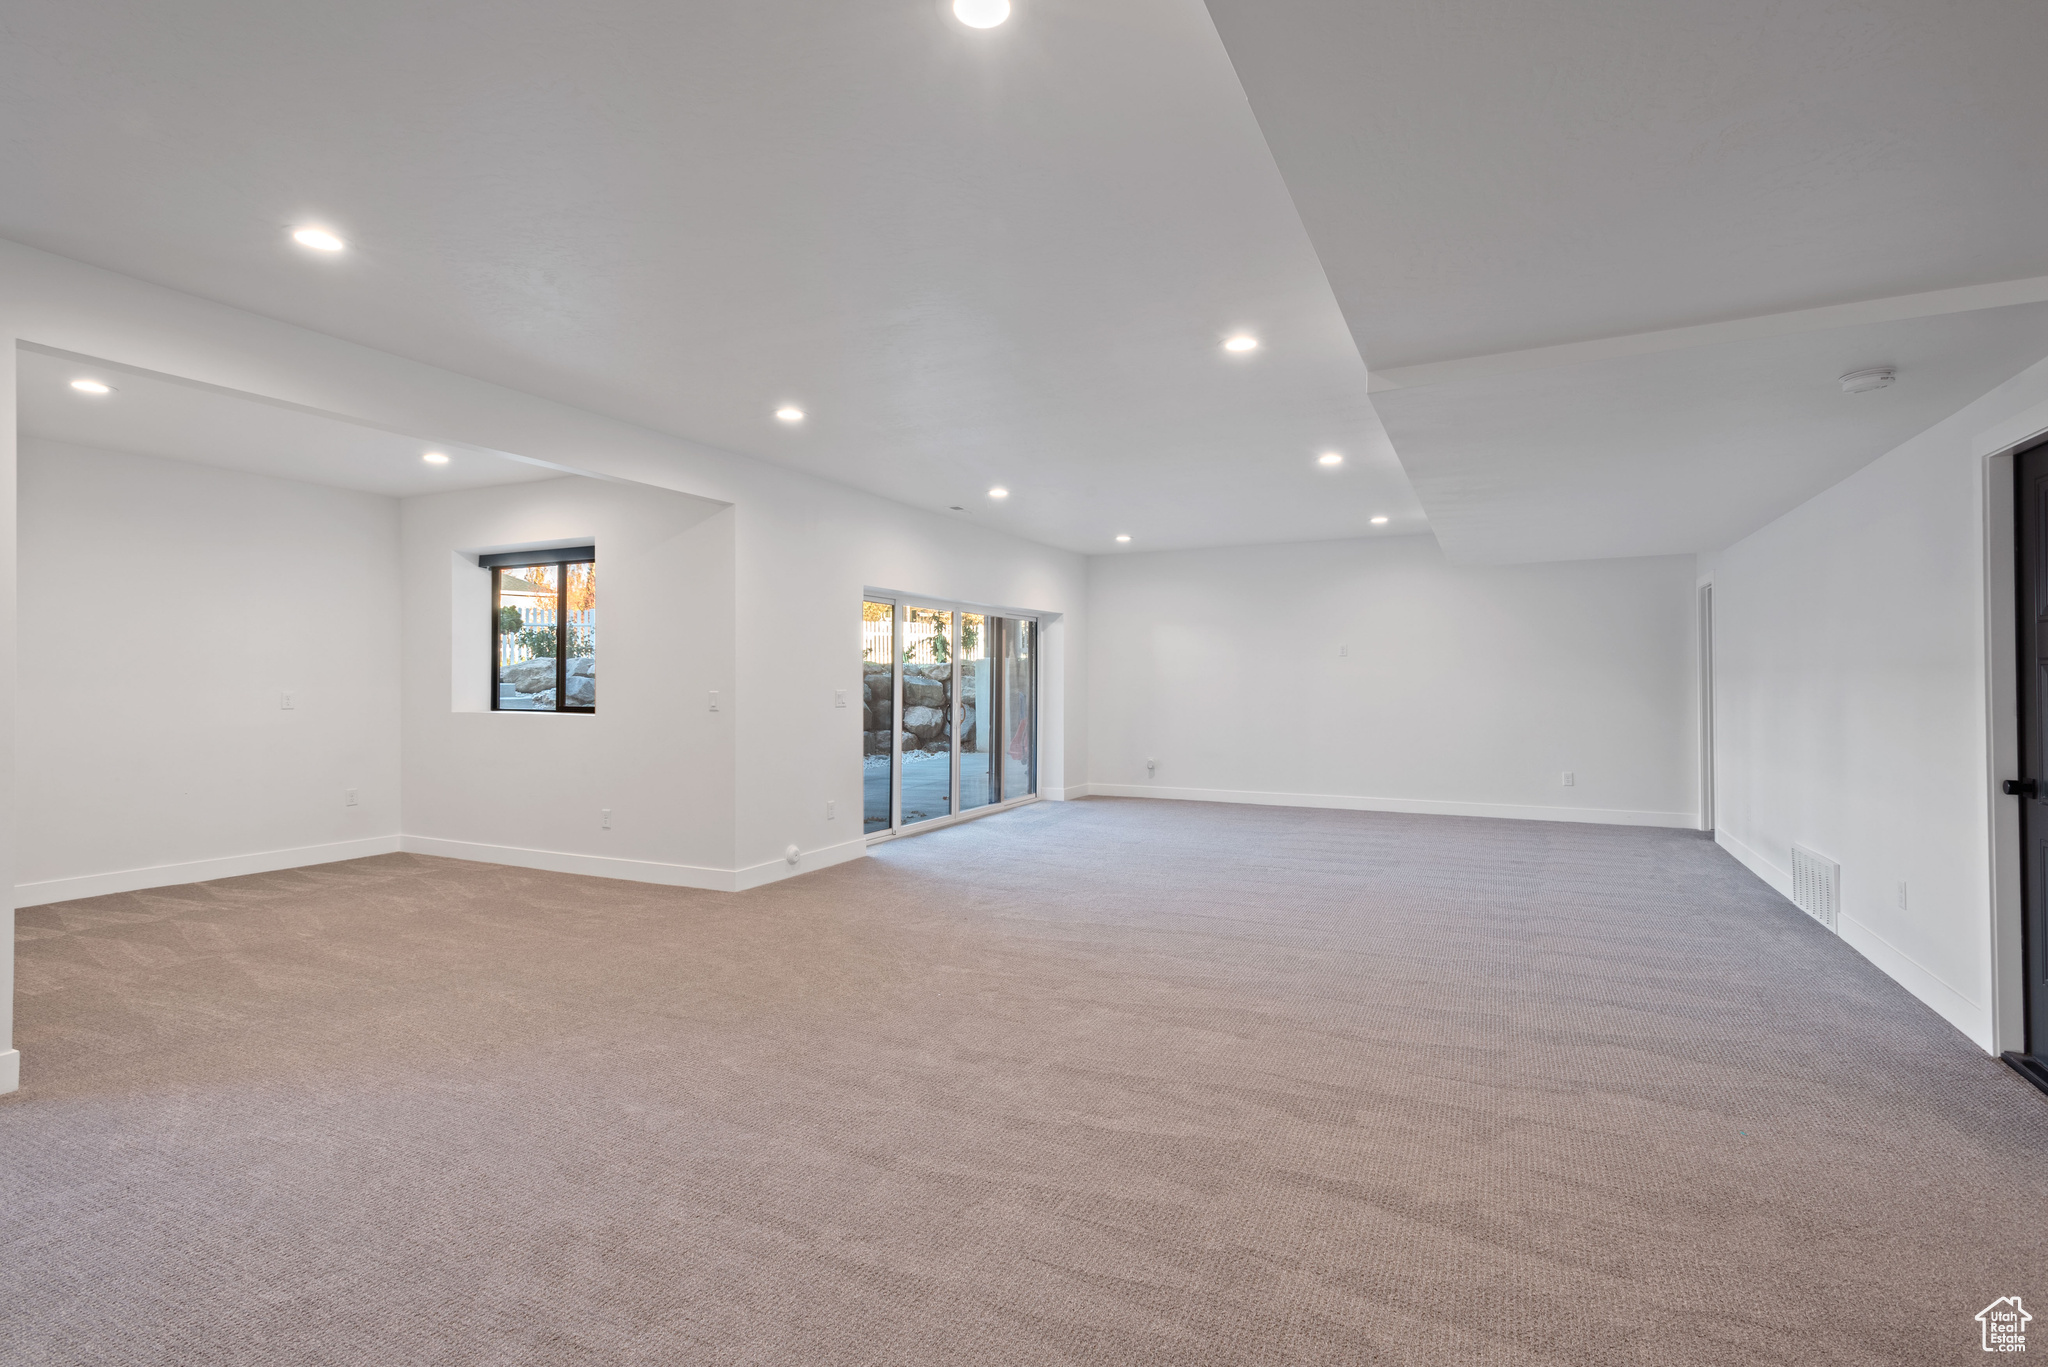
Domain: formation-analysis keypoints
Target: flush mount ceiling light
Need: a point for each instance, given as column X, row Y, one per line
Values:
column 1123, row 538
column 319, row 239
column 1243, row 341
column 1378, row 521
column 790, row 413
column 1863, row 381
column 435, row 458
column 981, row 13
column 1329, row 458
column 91, row 387
column 999, row 492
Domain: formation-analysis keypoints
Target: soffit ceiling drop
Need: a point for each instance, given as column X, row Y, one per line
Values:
column 1606, row 263
column 973, row 258
column 156, row 415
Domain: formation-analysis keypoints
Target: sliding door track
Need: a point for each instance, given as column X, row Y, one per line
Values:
column 2028, row 1067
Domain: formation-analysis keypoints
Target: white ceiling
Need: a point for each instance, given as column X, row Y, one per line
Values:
column 1488, row 182
column 1684, row 450
column 976, row 258
column 155, row 415
column 1009, row 257
column 1493, row 175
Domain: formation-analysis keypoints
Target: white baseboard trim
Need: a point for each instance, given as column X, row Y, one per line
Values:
column 10, row 1071
column 1951, row 1005
column 561, row 861
column 1603, row 816
column 1945, row 1001
column 809, row 861
column 638, row 870
column 198, row 870
column 1779, row 879
column 554, row 861
column 1066, row 794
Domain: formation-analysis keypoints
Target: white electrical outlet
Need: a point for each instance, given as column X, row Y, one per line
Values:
column 1150, row 765
column 1343, row 652
column 714, row 700
column 1902, row 894
column 1570, row 780
column 348, row 799
column 604, row 817
column 831, row 809
column 839, row 697
column 284, row 702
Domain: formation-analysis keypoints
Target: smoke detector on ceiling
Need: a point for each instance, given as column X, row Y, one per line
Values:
column 1863, row 381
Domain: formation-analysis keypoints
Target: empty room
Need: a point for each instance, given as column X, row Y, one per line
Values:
column 1017, row 682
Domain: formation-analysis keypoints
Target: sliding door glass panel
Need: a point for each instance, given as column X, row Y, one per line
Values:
column 1018, row 668
column 527, row 598
column 926, row 724
column 971, row 713
column 878, row 713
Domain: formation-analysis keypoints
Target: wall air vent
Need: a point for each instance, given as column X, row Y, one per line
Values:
column 1817, row 887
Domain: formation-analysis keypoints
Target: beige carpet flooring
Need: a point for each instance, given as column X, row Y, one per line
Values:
column 1103, row 1082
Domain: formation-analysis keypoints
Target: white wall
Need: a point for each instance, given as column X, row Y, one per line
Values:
column 164, row 607
column 804, row 549
column 807, row 552
column 1466, row 689
column 1850, row 701
column 528, row 787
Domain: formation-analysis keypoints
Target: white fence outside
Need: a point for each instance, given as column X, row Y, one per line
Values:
column 874, row 641
column 918, row 642
column 511, row 652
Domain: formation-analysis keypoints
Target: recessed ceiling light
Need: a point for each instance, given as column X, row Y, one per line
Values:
column 319, row 239
column 91, row 387
column 1123, row 538
column 1329, row 458
column 435, row 458
column 1863, row 381
column 999, row 492
column 981, row 13
column 1378, row 520
column 1243, row 341
column 790, row 413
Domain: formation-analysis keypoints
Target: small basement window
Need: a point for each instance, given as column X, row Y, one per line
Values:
column 544, row 630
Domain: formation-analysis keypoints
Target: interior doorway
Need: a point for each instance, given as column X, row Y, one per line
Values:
column 2030, row 505
column 950, row 722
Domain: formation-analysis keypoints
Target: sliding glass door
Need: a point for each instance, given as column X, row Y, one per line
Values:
column 980, row 785
column 1018, row 661
column 878, row 707
column 926, row 731
column 951, row 718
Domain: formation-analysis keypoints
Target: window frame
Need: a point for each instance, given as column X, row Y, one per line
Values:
column 560, row 558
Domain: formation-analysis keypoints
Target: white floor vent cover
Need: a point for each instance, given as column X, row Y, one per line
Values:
column 1817, row 887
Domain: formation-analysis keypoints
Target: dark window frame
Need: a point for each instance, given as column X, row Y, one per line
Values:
column 560, row 560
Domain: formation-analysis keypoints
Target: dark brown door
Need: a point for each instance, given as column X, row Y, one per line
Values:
column 2031, row 787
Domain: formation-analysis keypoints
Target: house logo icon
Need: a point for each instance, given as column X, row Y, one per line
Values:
column 2005, row 1325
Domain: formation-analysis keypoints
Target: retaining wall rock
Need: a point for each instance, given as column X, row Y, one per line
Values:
column 530, row 676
